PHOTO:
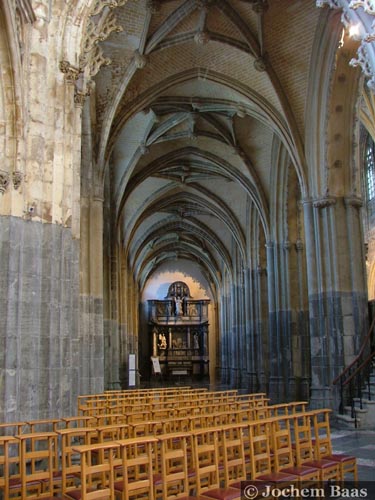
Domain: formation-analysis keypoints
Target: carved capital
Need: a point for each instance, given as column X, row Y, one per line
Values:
column 287, row 245
column 299, row 245
column 325, row 202
column 71, row 73
column 99, row 5
column 17, row 177
column 4, row 181
column 353, row 201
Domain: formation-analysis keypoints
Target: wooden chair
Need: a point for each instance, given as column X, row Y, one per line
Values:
column 173, row 480
column 323, row 446
column 10, row 476
column 79, row 422
column 137, row 459
column 39, row 456
column 70, row 465
column 147, row 428
column 44, row 425
column 306, row 451
column 234, row 464
column 283, row 456
column 96, row 475
column 206, row 464
column 262, row 473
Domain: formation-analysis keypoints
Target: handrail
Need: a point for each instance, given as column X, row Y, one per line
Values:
column 364, row 344
column 359, row 368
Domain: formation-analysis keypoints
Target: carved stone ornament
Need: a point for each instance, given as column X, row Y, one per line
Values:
column 140, row 60
column 366, row 52
column 99, row 5
column 325, row 202
column 353, row 201
column 299, row 245
column 201, row 38
column 71, row 73
column 260, row 64
column 4, row 181
column 17, row 179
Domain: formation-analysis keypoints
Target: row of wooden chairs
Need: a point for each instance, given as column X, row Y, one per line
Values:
column 135, row 395
column 177, row 397
column 212, row 462
column 123, row 403
column 164, row 421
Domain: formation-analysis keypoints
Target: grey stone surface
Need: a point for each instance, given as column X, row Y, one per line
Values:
column 39, row 305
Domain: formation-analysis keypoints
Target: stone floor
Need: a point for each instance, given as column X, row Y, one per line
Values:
column 360, row 444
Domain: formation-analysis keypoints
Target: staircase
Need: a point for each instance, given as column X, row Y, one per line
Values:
column 357, row 388
column 360, row 414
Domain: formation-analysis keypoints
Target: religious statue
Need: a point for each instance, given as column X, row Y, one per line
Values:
column 196, row 341
column 179, row 306
column 162, row 341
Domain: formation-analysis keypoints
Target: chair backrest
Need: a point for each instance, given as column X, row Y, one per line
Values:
column 174, row 449
column 9, row 463
column 234, row 465
column 281, row 443
column 97, row 465
column 322, row 433
column 259, row 447
column 39, row 461
column 137, row 459
column 206, row 459
column 303, row 441
column 70, row 464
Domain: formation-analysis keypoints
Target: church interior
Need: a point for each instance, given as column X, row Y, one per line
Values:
column 187, row 221
column 187, row 197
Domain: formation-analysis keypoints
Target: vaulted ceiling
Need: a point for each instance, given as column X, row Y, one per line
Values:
column 191, row 115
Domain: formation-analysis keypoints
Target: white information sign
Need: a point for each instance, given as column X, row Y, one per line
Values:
column 156, row 364
column 131, row 370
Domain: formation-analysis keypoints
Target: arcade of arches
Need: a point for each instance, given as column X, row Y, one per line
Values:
column 222, row 144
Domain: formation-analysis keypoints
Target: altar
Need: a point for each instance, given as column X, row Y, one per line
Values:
column 179, row 333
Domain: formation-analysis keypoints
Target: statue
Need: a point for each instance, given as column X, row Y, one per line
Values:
column 178, row 305
column 196, row 341
column 162, row 341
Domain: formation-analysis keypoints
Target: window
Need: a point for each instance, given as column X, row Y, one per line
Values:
column 370, row 175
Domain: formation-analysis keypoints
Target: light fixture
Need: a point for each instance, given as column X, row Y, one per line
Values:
column 354, row 31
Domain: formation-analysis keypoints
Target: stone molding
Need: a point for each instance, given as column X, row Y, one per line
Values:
column 324, row 202
column 101, row 22
column 353, row 201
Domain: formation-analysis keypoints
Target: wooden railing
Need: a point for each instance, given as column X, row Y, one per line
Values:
column 353, row 378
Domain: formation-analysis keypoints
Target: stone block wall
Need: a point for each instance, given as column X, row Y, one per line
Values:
column 40, row 344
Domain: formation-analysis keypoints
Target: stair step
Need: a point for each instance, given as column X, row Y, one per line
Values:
column 347, row 421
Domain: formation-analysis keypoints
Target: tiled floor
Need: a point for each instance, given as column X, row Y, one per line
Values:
column 360, row 444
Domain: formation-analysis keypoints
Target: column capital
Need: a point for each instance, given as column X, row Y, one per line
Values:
column 353, row 201
column 324, row 202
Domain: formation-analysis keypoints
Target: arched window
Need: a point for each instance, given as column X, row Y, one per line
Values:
column 370, row 175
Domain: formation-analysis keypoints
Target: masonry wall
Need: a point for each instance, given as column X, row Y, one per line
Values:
column 41, row 349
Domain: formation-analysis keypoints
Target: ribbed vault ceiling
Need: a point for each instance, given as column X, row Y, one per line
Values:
column 198, row 94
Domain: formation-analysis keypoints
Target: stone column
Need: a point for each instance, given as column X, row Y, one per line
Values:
column 92, row 295
column 275, row 361
column 336, row 294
